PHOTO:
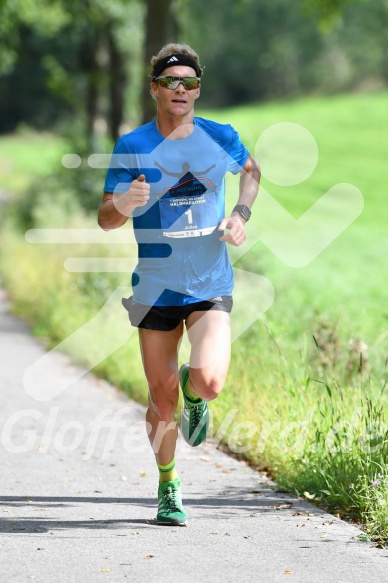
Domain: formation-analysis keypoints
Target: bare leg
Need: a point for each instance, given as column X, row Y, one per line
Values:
column 210, row 338
column 160, row 360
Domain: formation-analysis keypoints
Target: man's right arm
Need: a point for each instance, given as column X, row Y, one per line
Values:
column 115, row 209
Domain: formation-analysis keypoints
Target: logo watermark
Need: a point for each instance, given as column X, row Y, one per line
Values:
column 111, row 430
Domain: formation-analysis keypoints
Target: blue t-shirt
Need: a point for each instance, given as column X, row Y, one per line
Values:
column 181, row 259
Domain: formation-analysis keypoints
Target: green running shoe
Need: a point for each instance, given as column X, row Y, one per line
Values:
column 195, row 414
column 170, row 509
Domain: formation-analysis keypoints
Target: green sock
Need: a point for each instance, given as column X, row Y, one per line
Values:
column 168, row 472
column 189, row 391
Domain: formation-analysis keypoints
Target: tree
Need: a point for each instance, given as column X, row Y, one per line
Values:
column 161, row 27
column 94, row 56
column 45, row 17
column 81, row 56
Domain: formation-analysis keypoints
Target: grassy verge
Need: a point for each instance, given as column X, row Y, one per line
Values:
column 26, row 155
column 306, row 395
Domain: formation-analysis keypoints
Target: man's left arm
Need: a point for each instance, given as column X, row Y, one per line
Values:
column 249, row 186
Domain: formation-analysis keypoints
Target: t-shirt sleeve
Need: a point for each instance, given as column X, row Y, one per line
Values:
column 238, row 153
column 120, row 173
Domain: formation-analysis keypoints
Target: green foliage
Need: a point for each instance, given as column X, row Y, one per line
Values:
column 27, row 156
column 46, row 17
column 326, row 11
column 345, row 445
column 55, row 56
column 42, row 192
column 267, row 65
column 84, row 183
column 285, row 48
column 375, row 497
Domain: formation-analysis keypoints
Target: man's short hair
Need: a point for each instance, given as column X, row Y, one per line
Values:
column 175, row 48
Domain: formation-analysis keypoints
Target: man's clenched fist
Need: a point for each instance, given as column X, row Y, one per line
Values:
column 137, row 195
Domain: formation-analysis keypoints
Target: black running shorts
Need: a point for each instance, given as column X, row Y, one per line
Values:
column 167, row 318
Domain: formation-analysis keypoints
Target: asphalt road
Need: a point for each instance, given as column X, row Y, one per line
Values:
column 78, row 497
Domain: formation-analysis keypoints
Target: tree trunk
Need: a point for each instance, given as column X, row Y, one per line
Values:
column 117, row 83
column 89, row 65
column 91, row 106
column 160, row 28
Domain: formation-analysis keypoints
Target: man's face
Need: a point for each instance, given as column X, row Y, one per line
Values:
column 176, row 102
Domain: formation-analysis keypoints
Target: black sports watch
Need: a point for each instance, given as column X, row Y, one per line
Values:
column 243, row 210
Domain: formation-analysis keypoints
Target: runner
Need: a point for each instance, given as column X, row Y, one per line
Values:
column 168, row 175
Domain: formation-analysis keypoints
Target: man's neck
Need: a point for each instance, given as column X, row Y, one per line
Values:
column 175, row 128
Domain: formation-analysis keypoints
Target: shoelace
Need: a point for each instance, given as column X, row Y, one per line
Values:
column 171, row 501
column 197, row 411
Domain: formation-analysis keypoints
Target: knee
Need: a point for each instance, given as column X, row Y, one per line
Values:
column 208, row 387
column 163, row 401
column 212, row 389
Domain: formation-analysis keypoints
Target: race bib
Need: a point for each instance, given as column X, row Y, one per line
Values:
column 192, row 215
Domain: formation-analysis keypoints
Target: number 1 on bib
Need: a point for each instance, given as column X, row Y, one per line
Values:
column 189, row 214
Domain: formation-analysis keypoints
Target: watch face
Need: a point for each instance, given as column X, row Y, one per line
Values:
column 243, row 210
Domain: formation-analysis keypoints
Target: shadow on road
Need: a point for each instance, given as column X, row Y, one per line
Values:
column 251, row 503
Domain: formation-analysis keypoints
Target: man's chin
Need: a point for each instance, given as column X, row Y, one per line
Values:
column 178, row 109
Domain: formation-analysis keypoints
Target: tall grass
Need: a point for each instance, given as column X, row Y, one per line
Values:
column 306, row 395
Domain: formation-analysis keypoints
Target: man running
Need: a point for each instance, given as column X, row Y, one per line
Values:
column 168, row 175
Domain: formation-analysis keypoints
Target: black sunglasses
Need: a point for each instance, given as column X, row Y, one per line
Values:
column 170, row 82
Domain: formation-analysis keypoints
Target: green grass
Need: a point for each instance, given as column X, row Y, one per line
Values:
column 305, row 405
column 25, row 156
